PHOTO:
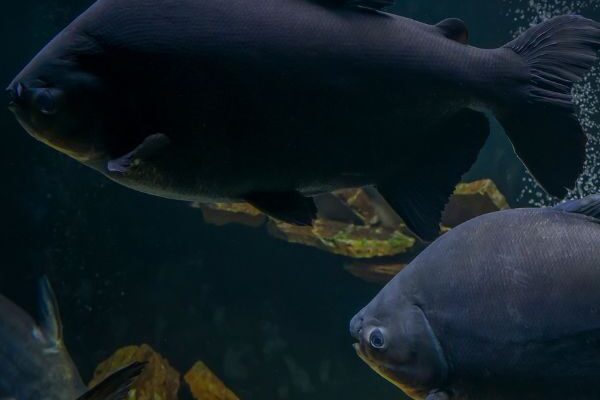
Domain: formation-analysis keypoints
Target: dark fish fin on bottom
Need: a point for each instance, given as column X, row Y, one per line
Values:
column 117, row 385
column 589, row 206
column 387, row 215
column 290, row 207
column 332, row 208
column 420, row 196
column 150, row 147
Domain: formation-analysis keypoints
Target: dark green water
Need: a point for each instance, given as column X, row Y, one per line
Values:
column 269, row 317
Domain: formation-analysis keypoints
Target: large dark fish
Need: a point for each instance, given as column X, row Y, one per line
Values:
column 35, row 364
column 505, row 306
column 274, row 101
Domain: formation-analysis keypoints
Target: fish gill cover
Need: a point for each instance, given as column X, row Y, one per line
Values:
column 527, row 13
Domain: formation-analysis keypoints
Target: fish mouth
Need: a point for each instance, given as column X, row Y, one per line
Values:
column 12, row 103
column 361, row 354
column 385, row 374
column 54, row 144
column 15, row 94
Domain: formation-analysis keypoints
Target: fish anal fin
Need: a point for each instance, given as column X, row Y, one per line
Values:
column 420, row 196
column 454, row 29
column 589, row 206
column 291, row 207
column 50, row 322
column 117, row 385
column 387, row 215
column 332, row 208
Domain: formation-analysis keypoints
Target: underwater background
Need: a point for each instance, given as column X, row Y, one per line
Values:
column 270, row 318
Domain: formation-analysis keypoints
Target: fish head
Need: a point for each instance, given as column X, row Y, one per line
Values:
column 60, row 101
column 394, row 338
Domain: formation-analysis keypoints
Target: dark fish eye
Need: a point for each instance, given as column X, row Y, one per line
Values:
column 377, row 340
column 45, row 101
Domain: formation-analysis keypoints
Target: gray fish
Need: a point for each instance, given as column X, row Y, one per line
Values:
column 505, row 306
column 275, row 101
column 35, row 364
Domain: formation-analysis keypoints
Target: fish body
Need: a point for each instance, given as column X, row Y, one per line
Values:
column 505, row 306
column 274, row 101
column 35, row 364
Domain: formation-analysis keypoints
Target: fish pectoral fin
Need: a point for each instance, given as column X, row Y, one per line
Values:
column 454, row 29
column 420, row 196
column 290, row 207
column 117, row 385
column 438, row 395
column 150, row 147
column 50, row 323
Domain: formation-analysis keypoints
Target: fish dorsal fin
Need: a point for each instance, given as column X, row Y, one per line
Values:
column 50, row 323
column 454, row 29
column 373, row 4
column 589, row 206
column 117, row 385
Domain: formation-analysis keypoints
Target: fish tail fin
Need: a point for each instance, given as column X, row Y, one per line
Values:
column 117, row 385
column 540, row 121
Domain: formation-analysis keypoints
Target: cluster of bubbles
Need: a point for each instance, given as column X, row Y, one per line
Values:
column 526, row 13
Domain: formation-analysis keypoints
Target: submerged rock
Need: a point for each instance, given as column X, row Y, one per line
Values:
column 159, row 381
column 358, row 223
column 353, row 241
column 205, row 385
column 471, row 200
column 352, row 226
column 468, row 201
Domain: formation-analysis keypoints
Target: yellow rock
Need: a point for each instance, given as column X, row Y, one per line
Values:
column 365, row 235
column 159, row 381
column 471, row 200
column 483, row 187
column 346, row 240
column 205, row 385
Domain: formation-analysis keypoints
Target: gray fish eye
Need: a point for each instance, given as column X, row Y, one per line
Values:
column 45, row 101
column 377, row 340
